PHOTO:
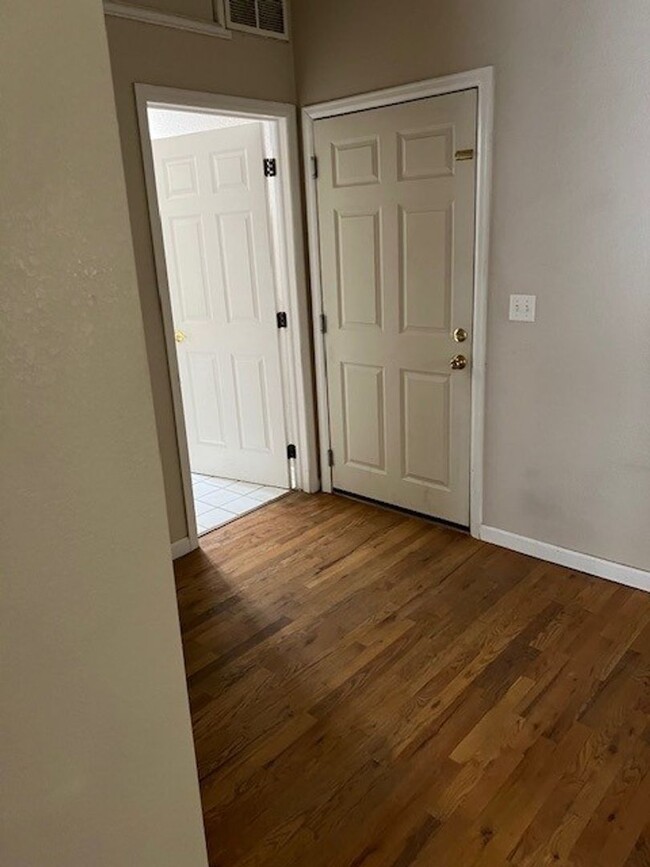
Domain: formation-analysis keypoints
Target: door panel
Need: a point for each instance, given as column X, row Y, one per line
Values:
column 204, row 378
column 237, row 256
column 425, row 245
column 363, row 416
column 213, row 207
column 187, row 252
column 426, row 153
column 425, row 407
column 251, row 389
column 359, row 277
column 396, row 228
column 355, row 162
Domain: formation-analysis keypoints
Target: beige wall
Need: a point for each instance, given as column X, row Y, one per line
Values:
column 246, row 65
column 97, row 766
column 568, row 398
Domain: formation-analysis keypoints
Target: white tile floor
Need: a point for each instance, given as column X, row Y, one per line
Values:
column 217, row 500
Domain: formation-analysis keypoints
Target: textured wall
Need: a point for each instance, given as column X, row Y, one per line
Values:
column 568, row 413
column 97, row 757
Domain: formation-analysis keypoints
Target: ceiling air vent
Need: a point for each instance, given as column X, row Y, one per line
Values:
column 265, row 17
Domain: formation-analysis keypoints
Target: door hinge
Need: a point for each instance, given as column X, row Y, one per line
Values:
column 467, row 154
column 330, row 458
column 323, row 324
column 282, row 319
column 291, row 451
column 314, row 167
column 270, row 167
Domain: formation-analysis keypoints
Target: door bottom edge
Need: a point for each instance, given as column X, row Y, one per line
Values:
column 412, row 513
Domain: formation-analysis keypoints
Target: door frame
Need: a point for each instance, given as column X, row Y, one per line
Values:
column 295, row 349
column 483, row 81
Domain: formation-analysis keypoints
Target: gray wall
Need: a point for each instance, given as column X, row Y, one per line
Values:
column 97, row 757
column 568, row 398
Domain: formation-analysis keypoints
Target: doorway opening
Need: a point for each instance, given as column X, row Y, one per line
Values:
column 224, row 219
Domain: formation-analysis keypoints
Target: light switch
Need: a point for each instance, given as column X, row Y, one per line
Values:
column 522, row 308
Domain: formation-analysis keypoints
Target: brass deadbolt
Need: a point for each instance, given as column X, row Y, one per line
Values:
column 458, row 362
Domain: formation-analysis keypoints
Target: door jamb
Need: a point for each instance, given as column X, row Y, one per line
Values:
column 301, row 426
column 483, row 81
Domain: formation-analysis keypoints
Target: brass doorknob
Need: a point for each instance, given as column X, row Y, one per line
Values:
column 179, row 336
column 458, row 362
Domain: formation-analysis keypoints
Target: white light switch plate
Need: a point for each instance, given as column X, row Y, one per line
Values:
column 522, row 308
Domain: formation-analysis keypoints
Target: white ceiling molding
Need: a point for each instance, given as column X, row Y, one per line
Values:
column 164, row 19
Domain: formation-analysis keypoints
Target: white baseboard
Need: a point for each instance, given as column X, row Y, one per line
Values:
column 181, row 547
column 627, row 575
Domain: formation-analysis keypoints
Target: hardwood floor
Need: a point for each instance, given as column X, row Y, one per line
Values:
column 369, row 689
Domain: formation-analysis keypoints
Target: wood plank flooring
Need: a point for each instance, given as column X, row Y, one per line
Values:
column 369, row 689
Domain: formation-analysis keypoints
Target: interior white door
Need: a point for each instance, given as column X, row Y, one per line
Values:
column 213, row 207
column 396, row 226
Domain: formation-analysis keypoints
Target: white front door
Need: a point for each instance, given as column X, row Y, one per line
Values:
column 396, row 226
column 214, row 212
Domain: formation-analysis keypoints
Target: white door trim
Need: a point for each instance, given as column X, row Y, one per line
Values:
column 483, row 81
column 299, row 408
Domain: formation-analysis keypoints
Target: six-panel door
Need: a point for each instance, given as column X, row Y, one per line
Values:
column 396, row 226
column 214, row 213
